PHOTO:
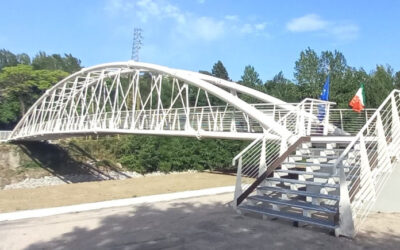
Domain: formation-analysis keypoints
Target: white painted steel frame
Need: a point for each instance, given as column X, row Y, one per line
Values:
column 64, row 109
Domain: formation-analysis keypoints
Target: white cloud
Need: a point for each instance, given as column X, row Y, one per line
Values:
column 115, row 7
column 260, row 26
column 345, row 32
column 201, row 1
column 310, row 22
column 208, row 29
column 314, row 23
column 186, row 24
column 249, row 28
column 231, row 17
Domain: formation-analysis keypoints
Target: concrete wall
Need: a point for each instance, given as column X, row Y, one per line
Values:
column 389, row 199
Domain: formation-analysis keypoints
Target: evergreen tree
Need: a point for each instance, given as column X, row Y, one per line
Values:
column 307, row 70
column 68, row 63
column 7, row 59
column 396, row 80
column 282, row 88
column 250, row 77
column 219, row 71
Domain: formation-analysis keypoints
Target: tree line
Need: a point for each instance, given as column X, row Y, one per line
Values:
column 310, row 73
column 23, row 80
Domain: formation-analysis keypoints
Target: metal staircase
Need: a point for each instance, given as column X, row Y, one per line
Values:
column 316, row 178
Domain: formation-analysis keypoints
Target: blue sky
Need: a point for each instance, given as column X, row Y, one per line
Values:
column 195, row 34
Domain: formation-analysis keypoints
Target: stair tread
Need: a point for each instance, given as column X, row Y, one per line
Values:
column 293, row 203
column 299, row 172
column 288, row 216
column 316, row 156
column 321, row 149
column 310, row 164
column 299, row 192
column 303, row 182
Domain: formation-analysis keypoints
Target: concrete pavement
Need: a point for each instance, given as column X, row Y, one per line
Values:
column 195, row 223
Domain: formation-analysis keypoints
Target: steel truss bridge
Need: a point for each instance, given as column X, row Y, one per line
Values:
column 307, row 162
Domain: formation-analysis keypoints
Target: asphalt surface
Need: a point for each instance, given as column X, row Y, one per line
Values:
column 197, row 223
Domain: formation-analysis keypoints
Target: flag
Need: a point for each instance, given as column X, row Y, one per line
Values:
column 325, row 91
column 358, row 101
column 325, row 97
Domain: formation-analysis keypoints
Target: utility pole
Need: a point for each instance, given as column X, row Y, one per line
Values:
column 137, row 43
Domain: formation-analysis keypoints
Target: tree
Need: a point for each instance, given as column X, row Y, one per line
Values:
column 307, row 74
column 24, row 84
column 342, row 91
column 250, row 77
column 23, row 59
column 7, row 59
column 68, row 63
column 396, row 80
column 379, row 86
column 282, row 88
column 219, row 71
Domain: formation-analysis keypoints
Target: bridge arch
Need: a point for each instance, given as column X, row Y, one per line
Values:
column 131, row 97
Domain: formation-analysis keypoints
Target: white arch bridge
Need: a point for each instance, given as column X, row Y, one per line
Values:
column 140, row 98
column 307, row 162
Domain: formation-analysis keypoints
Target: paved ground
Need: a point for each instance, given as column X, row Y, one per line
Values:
column 196, row 223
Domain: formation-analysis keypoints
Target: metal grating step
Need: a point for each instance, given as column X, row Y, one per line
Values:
column 310, row 164
column 294, row 203
column 299, row 193
column 288, row 216
column 324, row 149
column 299, row 172
column 330, row 157
column 311, row 183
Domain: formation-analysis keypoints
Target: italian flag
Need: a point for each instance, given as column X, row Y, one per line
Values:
column 358, row 101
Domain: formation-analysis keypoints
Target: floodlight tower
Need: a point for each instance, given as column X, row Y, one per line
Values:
column 137, row 43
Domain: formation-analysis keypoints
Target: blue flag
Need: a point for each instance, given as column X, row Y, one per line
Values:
column 325, row 91
column 325, row 97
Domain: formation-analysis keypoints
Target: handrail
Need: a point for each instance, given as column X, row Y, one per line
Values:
column 271, row 168
column 245, row 149
column 365, row 127
column 367, row 174
column 295, row 121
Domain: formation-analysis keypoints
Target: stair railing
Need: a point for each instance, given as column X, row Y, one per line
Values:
column 265, row 152
column 366, row 164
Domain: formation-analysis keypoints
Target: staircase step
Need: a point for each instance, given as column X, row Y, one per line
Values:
column 293, row 203
column 287, row 216
column 311, row 183
column 299, row 172
column 316, row 156
column 319, row 149
column 323, row 165
column 299, row 192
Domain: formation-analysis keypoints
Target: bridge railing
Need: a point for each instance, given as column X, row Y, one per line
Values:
column 202, row 118
column 215, row 119
column 310, row 117
column 348, row 120
column 367, row 163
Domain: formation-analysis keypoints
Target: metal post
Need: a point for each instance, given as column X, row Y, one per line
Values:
column 238, row 187
column 341, row 119
column 263, row 165
column 326, row 120
column 346, row 222
column 395, row 145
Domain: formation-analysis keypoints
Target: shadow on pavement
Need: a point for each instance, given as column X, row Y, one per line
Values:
column 205, row 226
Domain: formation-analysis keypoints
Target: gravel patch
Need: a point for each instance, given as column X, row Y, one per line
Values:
column 77, row 178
